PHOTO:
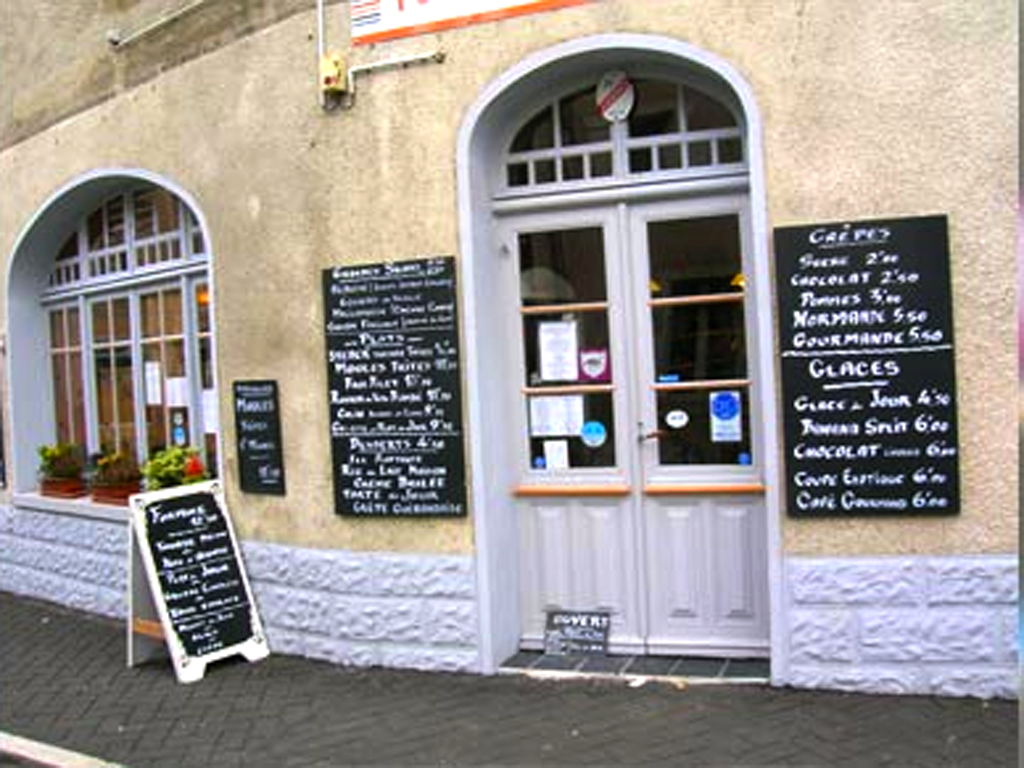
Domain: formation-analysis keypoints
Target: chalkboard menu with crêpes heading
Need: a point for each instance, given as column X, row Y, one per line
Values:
column 394, row 389
column 868, row 379
column 196, row 576
column 258, row 433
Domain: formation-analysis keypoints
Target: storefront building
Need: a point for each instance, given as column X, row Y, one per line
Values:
column 615, row 188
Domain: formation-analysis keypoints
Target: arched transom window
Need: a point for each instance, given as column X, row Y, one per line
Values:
column 129, row 327
column 673, row 131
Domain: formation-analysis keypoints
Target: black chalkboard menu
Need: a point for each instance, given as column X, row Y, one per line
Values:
column 868, row 379
column 196, row 576
column 258, row 433
column 394, row 389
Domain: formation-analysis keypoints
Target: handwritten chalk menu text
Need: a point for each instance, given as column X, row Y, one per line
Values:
column 258, row 433
column 196, row 576
column 868, row 379
column 394, row 389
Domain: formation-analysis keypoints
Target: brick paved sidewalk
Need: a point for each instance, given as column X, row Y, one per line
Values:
column 63, row 681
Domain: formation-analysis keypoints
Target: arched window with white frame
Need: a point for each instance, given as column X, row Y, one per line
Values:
column 128, row 329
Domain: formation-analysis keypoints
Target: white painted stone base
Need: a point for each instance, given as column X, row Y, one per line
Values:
column 920, row 625
column 364, row 609
column 367, row 608
column 74, row 561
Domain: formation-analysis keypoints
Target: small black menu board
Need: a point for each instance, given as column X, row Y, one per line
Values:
column 196, row 577
column 576, row 632
column 258, row 433
column 394, row 389
column 868, row 379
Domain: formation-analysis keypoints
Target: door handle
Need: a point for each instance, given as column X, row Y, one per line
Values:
column 644, row 436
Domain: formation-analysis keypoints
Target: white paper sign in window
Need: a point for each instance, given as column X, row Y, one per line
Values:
column 559, row 351
column 556, row 416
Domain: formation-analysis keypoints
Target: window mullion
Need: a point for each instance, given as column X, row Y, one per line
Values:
column 89, row 376
column 138, row 377
column 192, row 373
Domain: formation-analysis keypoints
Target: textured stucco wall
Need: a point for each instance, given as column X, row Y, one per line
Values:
column 869, row 109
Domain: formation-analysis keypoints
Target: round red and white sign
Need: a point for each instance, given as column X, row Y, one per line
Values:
column 615, row 96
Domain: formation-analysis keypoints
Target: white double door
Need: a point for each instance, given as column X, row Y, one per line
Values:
column 640, row 492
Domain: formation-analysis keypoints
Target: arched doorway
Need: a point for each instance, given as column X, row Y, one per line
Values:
column 620, row 377
column 110, row 324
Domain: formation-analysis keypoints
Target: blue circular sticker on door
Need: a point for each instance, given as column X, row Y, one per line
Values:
column 594, row 434
column 725, row 405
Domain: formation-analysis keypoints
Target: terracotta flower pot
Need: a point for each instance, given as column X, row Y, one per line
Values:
column 114, row 493
column 63, row 487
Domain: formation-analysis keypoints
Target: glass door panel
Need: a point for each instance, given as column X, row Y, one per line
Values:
column 698, row 348
column 566, row 342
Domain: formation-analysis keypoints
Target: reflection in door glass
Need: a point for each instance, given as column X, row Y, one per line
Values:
column 698, row 342
column 562, row 267
column 695, row 257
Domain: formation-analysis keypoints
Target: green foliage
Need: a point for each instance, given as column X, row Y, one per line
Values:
column 61, row 461
column 173, row 466
column 116, row 469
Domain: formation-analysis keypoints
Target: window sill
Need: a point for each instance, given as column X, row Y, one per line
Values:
column 83, row 507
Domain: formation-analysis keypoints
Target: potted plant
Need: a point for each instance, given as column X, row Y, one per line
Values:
column 60, row 471
column 116, row 477
column 178, row 465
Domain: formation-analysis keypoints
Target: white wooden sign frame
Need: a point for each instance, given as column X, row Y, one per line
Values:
column 144, row 603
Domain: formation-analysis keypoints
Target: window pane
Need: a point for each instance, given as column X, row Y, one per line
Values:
column 572, row 168
column 697, row 343
column 557, row 428
column 105, row 411
column 61, row 398
column 174, row 359
column 670, row 157
column 601, row 164
column 694, row 256
column 704, row 427
column 704, row 113
column 156, row 416
column 73, row 327
column 656, row 111
column 203, row 307
column 94, row 230
column 150, row 309
column 172, row 313
column 538, row 133
column 125, row 400
column 77, row 387
column 57, row 339
column 100, row 322
column 70, row 248
column 166, row 206
column 730, row 151
column 145, row 224
column 518, row 174
column 115, row 221
column 580, row 120
column 544, row 171
column 640, row 160
column 584, row 334
column 562, row 266
column 205, row 364
column 122, row 320
column 699, row 153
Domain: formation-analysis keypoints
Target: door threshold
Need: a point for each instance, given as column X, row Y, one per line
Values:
column 678, row 670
